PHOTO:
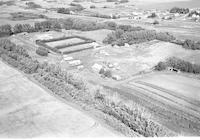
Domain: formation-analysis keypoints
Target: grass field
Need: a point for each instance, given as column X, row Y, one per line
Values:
column 29, row 111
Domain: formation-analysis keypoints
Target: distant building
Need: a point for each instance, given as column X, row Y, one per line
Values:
column 96, row 67
column 173, row 69
column 116, row 77
column 80, row 67
column 95, row 45
column 68, row 58
column 74, row 62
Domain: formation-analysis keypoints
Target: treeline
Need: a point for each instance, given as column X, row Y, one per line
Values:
column 54, row 24
column 120, row 37
column 6, row 30
column 33, row 5
column 87, row 25
column 193, row 13
column 178, row 64
column 179, row 10
column 74, row 8
column 72, row 88
column 104, row 16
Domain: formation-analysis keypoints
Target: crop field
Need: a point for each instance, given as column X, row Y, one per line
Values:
column 28, row 111
column 174, row 91
column 183, row 86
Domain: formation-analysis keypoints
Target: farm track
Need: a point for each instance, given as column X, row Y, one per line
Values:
column 172, row 93
column 168, row 97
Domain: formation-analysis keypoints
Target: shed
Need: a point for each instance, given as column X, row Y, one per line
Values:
column 116, row 77
column 126, row 45
column 97, row 67
column 80, row 67
column 95, row 45
column 74, row 62
column 68, row 58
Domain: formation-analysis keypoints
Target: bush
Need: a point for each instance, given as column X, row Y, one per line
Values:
column 63, row 11
column 124, row 1
column 33, row 5
column 178, row 64
column 155, row 22
column 5, row 30
column 192, row 45
column 179, row 10
column 160, row 66
column 42, row 51
column 153, row 15
column 111, row 25
column 92, row 6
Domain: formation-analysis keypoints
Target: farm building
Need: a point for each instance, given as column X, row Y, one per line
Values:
column 74, row 62
column 68, row 58
column 96, row 67
column 80, row 67
column 116, row 77
column 95, row 45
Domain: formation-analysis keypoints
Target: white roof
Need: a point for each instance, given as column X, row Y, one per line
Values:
column 68, row 58
column 75, row 62
column 97, row 67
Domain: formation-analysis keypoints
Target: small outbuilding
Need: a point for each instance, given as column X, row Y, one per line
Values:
column 95, row 45
column 116, row 77
column 173, row 69
column 97, row 67
column 74, row 62
column 68, row 58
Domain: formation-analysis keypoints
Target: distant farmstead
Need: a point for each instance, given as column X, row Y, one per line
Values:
column 173, row 69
